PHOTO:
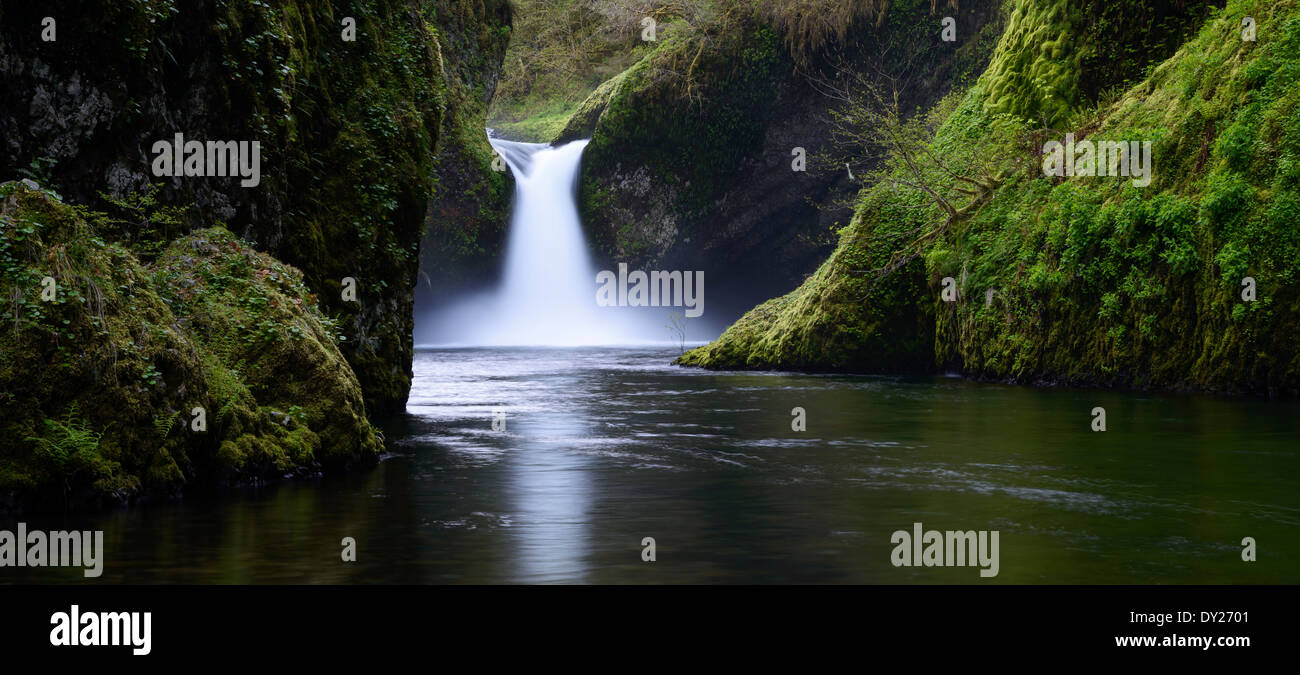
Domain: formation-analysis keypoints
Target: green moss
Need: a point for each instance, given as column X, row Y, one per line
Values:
column 561, row 51
column 105, row 376
column 721, row 106
column 580, row 121
column 682, row 140
column 714, row 90
column 106, row 340
column 274, row 347
column 466, row 220
column 543, row 127
column 351, row 133
column 1057, row 55
column 1035, row 69
column 1094, row 281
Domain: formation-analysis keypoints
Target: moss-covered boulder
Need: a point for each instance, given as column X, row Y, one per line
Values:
column 273, row 357
column 213, row 365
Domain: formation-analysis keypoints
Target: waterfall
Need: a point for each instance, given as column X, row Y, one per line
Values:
column 547, row 294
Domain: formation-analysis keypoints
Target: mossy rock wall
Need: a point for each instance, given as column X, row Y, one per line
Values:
column 348, row 131
column 690, row 162
column 104, row 360
column 1092, row 280
column 466, row 224
column 1056, row 55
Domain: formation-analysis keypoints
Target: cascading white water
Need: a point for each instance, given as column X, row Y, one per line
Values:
column 548, row 293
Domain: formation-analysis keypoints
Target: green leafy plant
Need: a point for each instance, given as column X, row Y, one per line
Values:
column 297, row 412
column 144, row 223
column 162, row 424
column 151, row 375
column 39, row 170
column 69, row 449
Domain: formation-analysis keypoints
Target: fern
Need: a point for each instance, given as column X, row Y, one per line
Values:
column 68, row 440
column 225, row 384
column 69, row 447
column 225, row 411
column 163, row 425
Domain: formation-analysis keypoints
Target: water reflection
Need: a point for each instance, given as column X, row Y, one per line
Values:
column 551, row 490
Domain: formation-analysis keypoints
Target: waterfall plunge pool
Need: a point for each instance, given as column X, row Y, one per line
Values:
column 603, row 447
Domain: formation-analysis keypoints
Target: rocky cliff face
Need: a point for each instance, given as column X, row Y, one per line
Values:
column 467, row 218
column 280, row 305
column 348, row 131
column 691, row 160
